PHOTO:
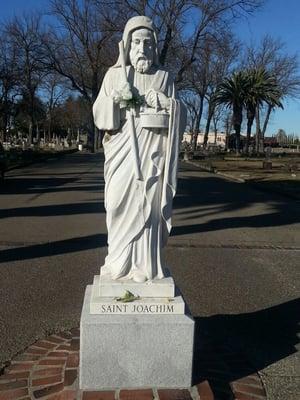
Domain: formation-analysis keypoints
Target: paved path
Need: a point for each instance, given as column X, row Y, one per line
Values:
column 234, row 252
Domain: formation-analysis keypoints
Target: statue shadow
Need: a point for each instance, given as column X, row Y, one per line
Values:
column 48, row 249
column 230, row 347
column 54, row 210
column 217, row 198
column 37, row 184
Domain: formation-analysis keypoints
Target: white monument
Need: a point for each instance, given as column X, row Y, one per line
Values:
column 135, row 331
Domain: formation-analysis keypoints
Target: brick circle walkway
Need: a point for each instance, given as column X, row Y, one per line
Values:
column 48, row 369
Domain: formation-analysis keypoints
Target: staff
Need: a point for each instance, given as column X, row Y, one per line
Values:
column 130, row 119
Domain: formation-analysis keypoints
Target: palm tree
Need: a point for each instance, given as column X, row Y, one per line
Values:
column 261, row 88
column 232, row 92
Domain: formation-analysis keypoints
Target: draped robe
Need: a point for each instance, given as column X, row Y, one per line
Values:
column 138, row 212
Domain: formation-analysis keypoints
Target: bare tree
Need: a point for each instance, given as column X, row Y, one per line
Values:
column 24, row 34
column 197, row 80
column 55, row 91
column 214, row 61
column 70, row 117
column 204, row 18
column 228, row 125
column 271, row 54
column 80, row 44
column 217, row 118
column 9, row 77
column 222, row 61
column 79, row 48
column 191, row 103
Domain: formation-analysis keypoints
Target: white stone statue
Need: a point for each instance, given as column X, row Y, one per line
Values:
column 143, row 121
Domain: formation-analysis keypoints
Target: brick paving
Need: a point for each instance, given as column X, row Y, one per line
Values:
column 48, row 369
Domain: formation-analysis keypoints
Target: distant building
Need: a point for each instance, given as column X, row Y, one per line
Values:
column 213, row 140
column 270, row 141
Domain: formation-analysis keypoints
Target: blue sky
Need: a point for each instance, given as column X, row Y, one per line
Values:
column 9, row 8
column 279, row 18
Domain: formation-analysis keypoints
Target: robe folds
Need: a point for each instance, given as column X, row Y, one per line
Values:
column 138, row 213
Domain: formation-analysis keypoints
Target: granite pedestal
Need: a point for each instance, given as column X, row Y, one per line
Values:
column 154, row 305
column 134, row 351
column 155, row 288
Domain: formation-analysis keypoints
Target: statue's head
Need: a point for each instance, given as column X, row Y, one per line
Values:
column 140, row 43
column 141, row 52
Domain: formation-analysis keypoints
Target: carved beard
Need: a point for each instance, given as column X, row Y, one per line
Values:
column 140, row 63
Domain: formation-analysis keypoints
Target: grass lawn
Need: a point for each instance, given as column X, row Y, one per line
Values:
column 283, row 177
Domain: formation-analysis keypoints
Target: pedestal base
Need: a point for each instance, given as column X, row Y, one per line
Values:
column 116, row 288
column 143, row 305
column 128, row 351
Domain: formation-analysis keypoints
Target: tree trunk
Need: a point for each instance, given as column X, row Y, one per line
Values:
column 216, row 134
column 237, row 123
column 198, row 121
column 5, row 118
column 215, row 123
column 37, row 134
column 209, row 117
column 167, row 41
column 31, row 94
column 249, row 126
column 250, row 119
column 270, row 108
column 237, row 128
column 228, row 127
column 258, row 131
column 205, row 139
column 49, row 129
column 30, row 127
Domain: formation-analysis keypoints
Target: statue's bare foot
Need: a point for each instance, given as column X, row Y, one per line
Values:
column 139, row 277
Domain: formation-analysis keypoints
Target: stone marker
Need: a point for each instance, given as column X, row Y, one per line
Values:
column 135, row 351
column 144, row 304
column 135, row 330
column 108, row 287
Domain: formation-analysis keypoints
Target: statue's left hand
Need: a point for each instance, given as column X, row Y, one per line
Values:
column 152, row 96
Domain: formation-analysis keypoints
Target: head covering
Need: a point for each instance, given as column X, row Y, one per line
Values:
column 134, row 23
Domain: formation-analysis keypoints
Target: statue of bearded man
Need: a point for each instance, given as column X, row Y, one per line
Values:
column 138, row 208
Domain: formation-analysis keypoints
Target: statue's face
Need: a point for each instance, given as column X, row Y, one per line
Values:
column 141, row 50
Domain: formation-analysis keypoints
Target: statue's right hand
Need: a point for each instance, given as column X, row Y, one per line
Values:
column 123, row 93
column 116, row 96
